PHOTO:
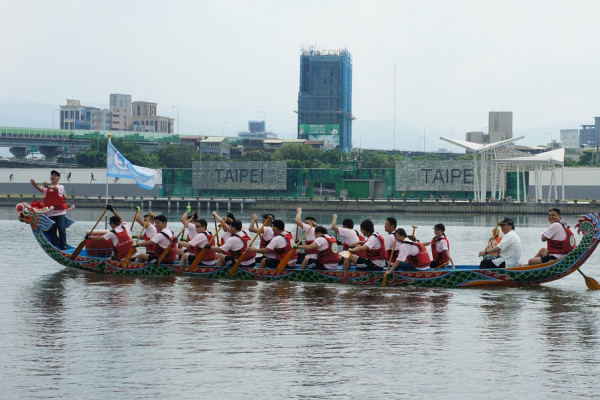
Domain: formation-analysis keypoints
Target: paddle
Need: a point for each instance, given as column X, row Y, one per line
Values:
column 80, row 247
column 241, row 259
column 133, row 248
column 285, row 260
column 217, row 230
column 297, row 227
column 591, row 283
column 389, row 262
column 194, row 265
column 170, row 246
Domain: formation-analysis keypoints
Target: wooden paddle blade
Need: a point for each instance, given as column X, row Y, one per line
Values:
column 591, row 283
column 77, row 250
column 194, row 265
column 237, row 264
column 345, row 254
column 284, row 261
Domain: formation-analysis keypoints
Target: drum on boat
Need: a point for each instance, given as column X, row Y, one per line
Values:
column 98, row 248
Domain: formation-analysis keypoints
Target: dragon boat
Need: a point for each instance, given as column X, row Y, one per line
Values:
column 462, row 276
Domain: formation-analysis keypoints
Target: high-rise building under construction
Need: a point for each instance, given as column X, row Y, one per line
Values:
column 325, row 98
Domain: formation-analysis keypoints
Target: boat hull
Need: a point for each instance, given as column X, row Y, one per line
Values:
column 462, row 276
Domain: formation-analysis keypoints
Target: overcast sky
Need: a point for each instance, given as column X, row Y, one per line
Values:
column 228, row 60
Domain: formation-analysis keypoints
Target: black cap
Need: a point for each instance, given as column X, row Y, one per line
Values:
column 55, row 172
column 506, row 221
column 440, row 227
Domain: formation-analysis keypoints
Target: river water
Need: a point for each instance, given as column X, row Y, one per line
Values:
column 72, row 334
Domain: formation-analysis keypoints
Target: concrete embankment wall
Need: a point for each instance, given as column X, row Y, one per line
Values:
column 333, row 206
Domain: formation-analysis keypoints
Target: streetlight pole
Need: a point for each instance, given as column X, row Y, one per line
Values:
column 423, row 136
column 177, row 118
column 223, row 126
column 265, row 122
column 53, row 114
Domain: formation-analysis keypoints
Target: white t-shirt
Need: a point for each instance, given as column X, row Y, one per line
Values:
column 112, row 237
column 61, row 192
column 389, row 242
column 373, row 243
column 192, row 231
column 407, row 250
column 200, row 240
column 161, row 240
column 268, row 234
column 510, row 250
column 440, row 245
column 556, row 232
column 279, row 242
column 322, row 245
column 349, row 236
column 310, row 236
column 234, row 243
column 150, row 231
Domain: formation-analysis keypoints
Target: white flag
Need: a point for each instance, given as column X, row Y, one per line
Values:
column 118, row 166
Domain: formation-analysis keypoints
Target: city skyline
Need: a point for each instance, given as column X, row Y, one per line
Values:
column 453, row 62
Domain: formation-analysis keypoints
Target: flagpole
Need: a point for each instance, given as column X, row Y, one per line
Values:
column 105, row 218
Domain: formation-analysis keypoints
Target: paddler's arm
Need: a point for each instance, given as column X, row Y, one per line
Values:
column 311, row 246
column 184, row 217
column 334, row 224
column 254, row 224
column 298, row 219
column 88, row 237
column 494, row 249
column 449, row 258
column 263, row 250
column 140, row 220
column 393, row 267
column 35, row 185
column 111, row 209
column 144, row 243
column 358, row 249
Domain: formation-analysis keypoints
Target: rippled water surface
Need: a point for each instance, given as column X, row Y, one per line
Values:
column 70, row 334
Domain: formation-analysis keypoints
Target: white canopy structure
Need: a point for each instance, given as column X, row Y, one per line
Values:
column 484, row 151
column 507, row 160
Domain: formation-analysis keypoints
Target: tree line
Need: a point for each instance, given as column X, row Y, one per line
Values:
column 297, row 155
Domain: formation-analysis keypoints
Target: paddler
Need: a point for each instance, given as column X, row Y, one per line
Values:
column 390, row 240
column 150, row 230
column 310, row 236
column 374, row 246
column 234, row 247
column 440, row 247
column 413, row 256
column 119, row 235
column 189, row 224
column 267, row 233
column 161, row 241
column 281, row 244
column 558, row 237
column 326, row 245
column 202, row 238
column 350, row 236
